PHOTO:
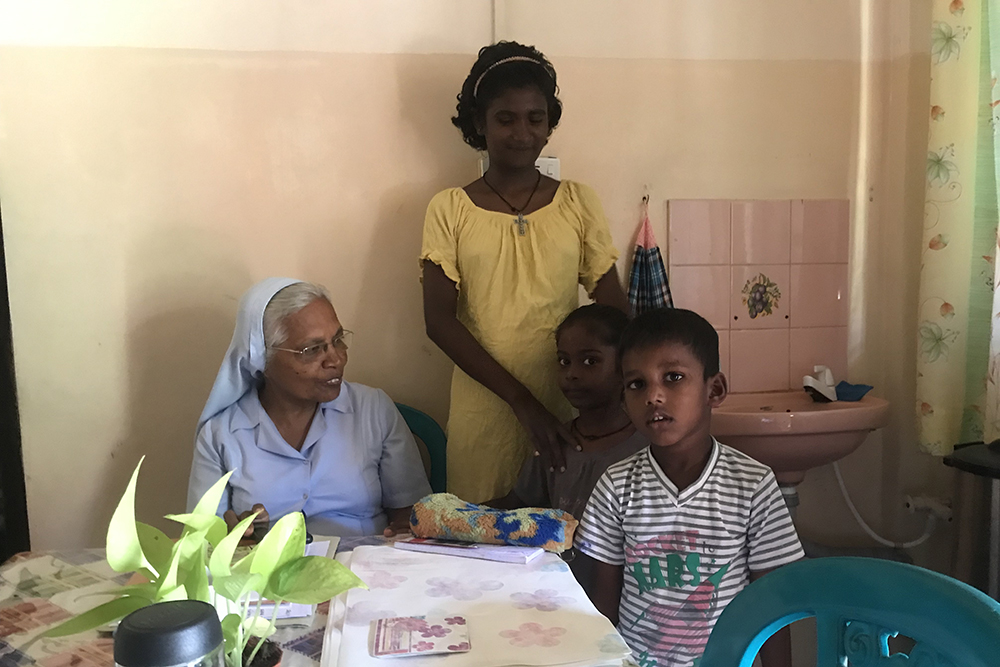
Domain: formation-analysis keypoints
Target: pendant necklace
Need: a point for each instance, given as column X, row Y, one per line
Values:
column 576, row 429
column 520, row 220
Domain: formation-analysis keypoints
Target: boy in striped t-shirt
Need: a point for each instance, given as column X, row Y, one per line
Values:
column 678, row 529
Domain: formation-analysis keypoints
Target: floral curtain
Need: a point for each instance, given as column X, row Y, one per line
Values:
column 958, row 366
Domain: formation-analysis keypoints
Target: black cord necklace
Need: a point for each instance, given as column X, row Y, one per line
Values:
column 520, row 220
column 576, row 429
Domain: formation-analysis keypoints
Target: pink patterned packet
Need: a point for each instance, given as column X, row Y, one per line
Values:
column 419, row 635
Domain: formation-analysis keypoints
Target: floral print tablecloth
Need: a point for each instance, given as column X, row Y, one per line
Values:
column 534, row 614
column 39, row 590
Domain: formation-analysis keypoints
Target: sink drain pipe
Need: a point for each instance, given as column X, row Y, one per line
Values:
column 928, row 527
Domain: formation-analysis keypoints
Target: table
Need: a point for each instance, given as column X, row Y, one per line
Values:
column 533, row 614
column 984, row 460
column 41, row 589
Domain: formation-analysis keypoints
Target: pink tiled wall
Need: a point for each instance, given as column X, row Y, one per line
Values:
column 787, row 257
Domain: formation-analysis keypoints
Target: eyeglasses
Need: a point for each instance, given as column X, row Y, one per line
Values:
column 341, row 342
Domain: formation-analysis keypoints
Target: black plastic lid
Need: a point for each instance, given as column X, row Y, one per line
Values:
column 167, row 633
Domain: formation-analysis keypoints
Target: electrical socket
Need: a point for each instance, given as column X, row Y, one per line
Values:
column 939, row 507
column 549, row 166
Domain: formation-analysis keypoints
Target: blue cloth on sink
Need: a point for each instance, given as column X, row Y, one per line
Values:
column 852, row 392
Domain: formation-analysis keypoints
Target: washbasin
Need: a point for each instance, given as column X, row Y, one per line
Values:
column 791, row 433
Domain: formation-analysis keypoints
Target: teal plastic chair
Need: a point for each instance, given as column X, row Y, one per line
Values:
column 424, row 427
column 859, row 603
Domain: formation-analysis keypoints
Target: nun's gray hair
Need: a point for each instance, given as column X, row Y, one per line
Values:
column 285, row 303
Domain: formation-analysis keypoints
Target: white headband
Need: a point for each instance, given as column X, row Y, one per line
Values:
column 504, row 61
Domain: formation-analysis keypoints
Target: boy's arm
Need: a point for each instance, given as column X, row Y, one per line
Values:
column 607, row 591
column 773, row 543
column 776, row 651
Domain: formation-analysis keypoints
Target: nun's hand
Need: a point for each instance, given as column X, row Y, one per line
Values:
column 262, row 520
column 548, row 435
column 399, row 522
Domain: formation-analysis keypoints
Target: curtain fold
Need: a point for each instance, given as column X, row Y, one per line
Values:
column 955, row 369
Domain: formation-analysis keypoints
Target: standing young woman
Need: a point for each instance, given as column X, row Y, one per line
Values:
column 502, row 258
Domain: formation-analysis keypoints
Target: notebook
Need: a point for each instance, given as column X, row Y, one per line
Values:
column 495, row 552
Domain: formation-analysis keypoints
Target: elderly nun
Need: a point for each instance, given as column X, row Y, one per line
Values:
column 297, row 437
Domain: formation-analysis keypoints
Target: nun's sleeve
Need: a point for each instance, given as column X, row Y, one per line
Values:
column 401, row 471
column 206, row 469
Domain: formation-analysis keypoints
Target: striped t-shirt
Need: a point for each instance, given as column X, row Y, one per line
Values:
column 686, row 555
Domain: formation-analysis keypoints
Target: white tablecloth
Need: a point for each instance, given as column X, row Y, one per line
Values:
column 533, row 615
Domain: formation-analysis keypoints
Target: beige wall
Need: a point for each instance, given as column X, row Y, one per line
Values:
column 157, row 160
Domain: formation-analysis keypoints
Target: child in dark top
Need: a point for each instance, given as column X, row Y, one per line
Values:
column 589, row 376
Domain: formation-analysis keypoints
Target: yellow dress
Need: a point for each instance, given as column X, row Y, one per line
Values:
column 513, row 291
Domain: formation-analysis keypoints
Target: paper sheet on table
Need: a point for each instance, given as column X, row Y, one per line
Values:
column 288, row 610
column 533, row 615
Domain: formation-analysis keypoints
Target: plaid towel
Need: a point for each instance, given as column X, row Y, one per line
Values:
column 648, row 288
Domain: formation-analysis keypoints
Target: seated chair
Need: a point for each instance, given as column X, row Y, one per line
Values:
column 859, row 603
column 432, row 435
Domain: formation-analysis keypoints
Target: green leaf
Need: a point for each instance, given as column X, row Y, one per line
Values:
column 230, row 625
column 176, row 593
column 209, row 503
column 312, row 580
column 196, row 581
column 156, row 547
column 98, row 616
column 235, row 586
column 242, row 566
column 222, row 557
column 124, row 552
column 258, row 627
column 286, row 540
column 147, row 590
column 212, row 526
column 168, row 581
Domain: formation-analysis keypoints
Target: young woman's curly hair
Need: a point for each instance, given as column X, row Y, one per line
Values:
column 500, row 67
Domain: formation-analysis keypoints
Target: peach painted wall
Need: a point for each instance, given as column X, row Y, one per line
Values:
column 158, row 158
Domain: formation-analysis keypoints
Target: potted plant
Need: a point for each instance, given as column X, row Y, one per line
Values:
column 199, row 566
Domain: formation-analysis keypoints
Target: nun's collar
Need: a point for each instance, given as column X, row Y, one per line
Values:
column 249, row 411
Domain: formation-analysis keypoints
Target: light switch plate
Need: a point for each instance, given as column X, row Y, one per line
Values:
column 549, row 166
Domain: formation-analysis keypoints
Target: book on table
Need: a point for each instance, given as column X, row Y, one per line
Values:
column 496, row 552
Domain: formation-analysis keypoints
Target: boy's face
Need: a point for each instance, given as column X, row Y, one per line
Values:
column 667, row 396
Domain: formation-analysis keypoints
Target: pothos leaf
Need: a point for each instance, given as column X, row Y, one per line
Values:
column 196, row 581
column 258, row 627
column 98, row 616
column 213, row 527
column 156, row 546
column 209, row 503
column 286, row 540
column 235, row 586
column 312, row 580
column 124, row 551
column 230, row 625
column 222, row 557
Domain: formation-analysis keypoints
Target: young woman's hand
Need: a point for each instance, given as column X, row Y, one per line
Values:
column 549, row 435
